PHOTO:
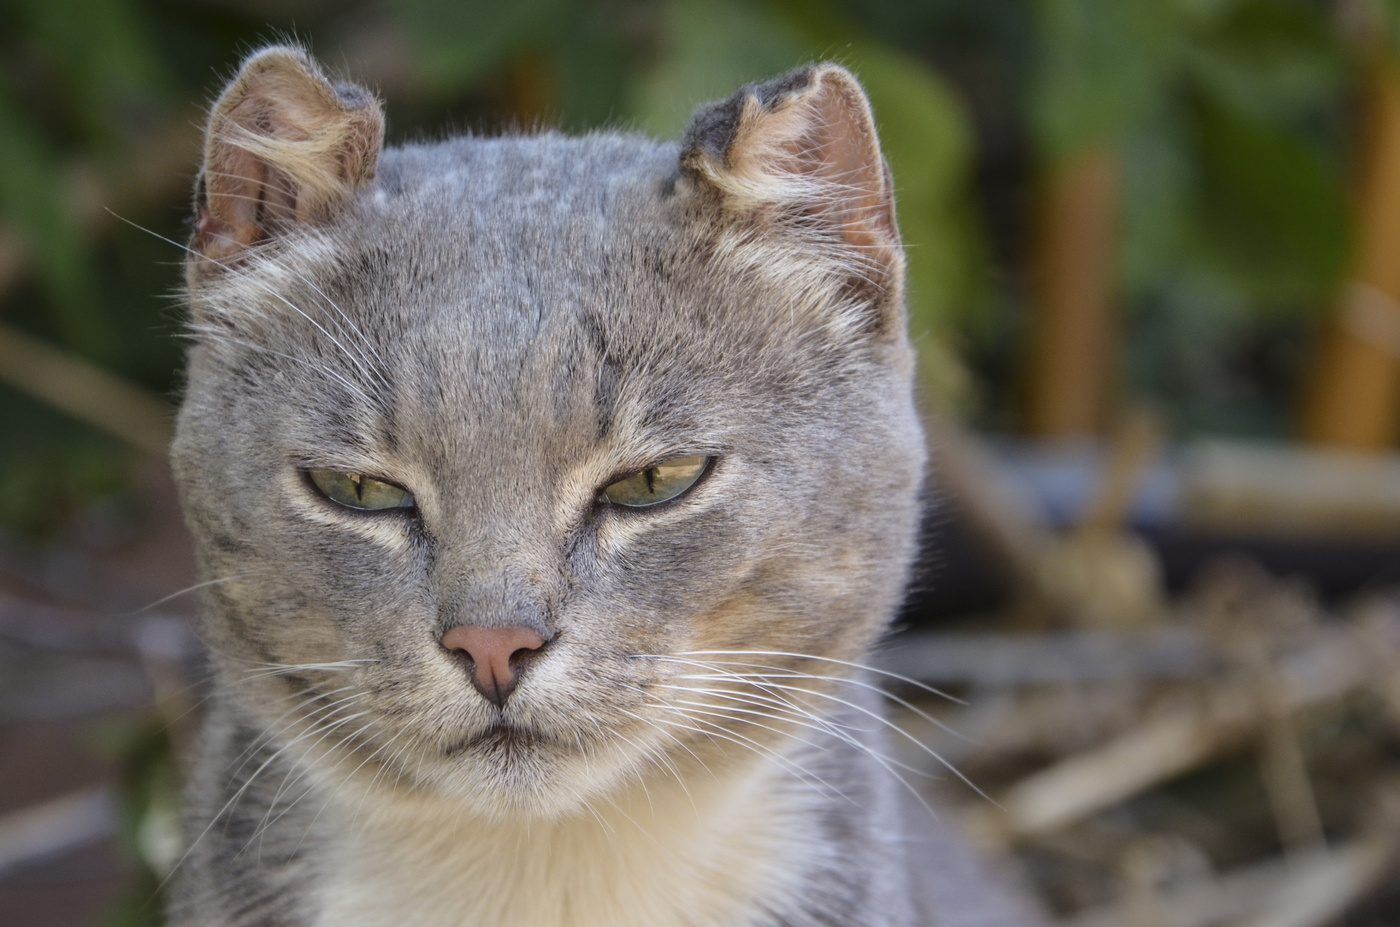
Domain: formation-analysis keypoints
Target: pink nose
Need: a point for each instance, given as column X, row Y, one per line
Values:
column 496, row 654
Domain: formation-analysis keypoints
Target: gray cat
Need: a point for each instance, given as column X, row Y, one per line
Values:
column 551, row 491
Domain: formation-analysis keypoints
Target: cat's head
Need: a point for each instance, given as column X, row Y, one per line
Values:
column 508, row 459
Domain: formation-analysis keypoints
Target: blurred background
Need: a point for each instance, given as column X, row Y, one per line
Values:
column 1154, row 252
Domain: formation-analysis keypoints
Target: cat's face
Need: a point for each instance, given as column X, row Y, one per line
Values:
column 506, row 328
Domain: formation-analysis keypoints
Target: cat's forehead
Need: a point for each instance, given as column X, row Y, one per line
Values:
column 536, row 192
column 527, row 289
column 543, row 296
column 493, row 240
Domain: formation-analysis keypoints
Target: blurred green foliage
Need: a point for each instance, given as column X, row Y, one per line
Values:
column 1235, row 218
column 1232, row 117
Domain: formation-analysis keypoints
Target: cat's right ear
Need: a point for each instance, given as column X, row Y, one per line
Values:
column 284, row 145
column 801, row 152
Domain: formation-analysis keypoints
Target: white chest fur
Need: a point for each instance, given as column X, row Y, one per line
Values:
column 714, row 857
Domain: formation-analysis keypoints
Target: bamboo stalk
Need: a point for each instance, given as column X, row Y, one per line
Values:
column 1354, row 397
column 1072, row 324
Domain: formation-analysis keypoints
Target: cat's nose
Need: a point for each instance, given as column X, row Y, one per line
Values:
column 497, row 655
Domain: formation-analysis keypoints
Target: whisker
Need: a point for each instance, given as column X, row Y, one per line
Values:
column 344, row 743
column 275, row 730
column 892, row 726
column 296, row 360
column 314, row 717
column 233, row 799
column 660, row 757
column 682, row 744
column 807, row 656
column 355, row 815
column 785, row 673
column 264, row 824
column 820, row 726
column 753, row 745
column 360, row 364
column 262, row 670
column 186, row 591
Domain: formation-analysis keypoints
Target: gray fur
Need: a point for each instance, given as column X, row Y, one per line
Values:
column 505, row 326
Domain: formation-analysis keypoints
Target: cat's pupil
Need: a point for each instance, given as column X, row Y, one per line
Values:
column 650, row 476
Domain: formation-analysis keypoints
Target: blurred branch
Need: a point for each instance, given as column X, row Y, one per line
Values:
column 963, row 469
column 150, row 172
column 46, row 829
column 1021, row 660
column 1319, row 892
column 87, row 393
column 1305, row 892
column 1098, row 575
column 1176, row 742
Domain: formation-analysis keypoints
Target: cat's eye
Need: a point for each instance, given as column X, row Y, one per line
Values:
column 658, row 483
column 357, row 491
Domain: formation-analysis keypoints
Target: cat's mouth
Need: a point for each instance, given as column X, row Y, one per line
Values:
column 501, row 736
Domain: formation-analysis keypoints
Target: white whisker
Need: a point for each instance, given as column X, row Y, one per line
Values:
column 807, row 656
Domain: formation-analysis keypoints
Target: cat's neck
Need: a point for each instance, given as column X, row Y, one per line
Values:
column 700, row 852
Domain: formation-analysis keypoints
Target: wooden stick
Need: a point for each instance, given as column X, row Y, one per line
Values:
column 962, row 468
column 1135, row 444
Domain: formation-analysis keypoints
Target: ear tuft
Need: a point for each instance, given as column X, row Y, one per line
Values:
column 804, row 143
column 284, row 145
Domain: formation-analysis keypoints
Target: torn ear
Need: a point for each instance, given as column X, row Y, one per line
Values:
column 805, row 146
column 284, row 145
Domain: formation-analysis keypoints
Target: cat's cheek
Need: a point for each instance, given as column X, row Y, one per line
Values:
column 667, row 563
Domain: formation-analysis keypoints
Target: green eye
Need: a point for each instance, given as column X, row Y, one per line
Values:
column 657, row 484
column 356, row 491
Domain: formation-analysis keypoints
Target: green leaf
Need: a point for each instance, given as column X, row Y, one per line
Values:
column 1103, row 64
column 456, row 43
column 1274, row 210
column 1272, row 60
column 1389, row 14
column 101, row 52
column 32, row 198
column 709, row 49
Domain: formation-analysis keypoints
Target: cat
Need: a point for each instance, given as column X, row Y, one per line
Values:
column 550, row 493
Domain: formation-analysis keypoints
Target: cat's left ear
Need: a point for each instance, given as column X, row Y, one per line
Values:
column 802, row 149
column 285, row 145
